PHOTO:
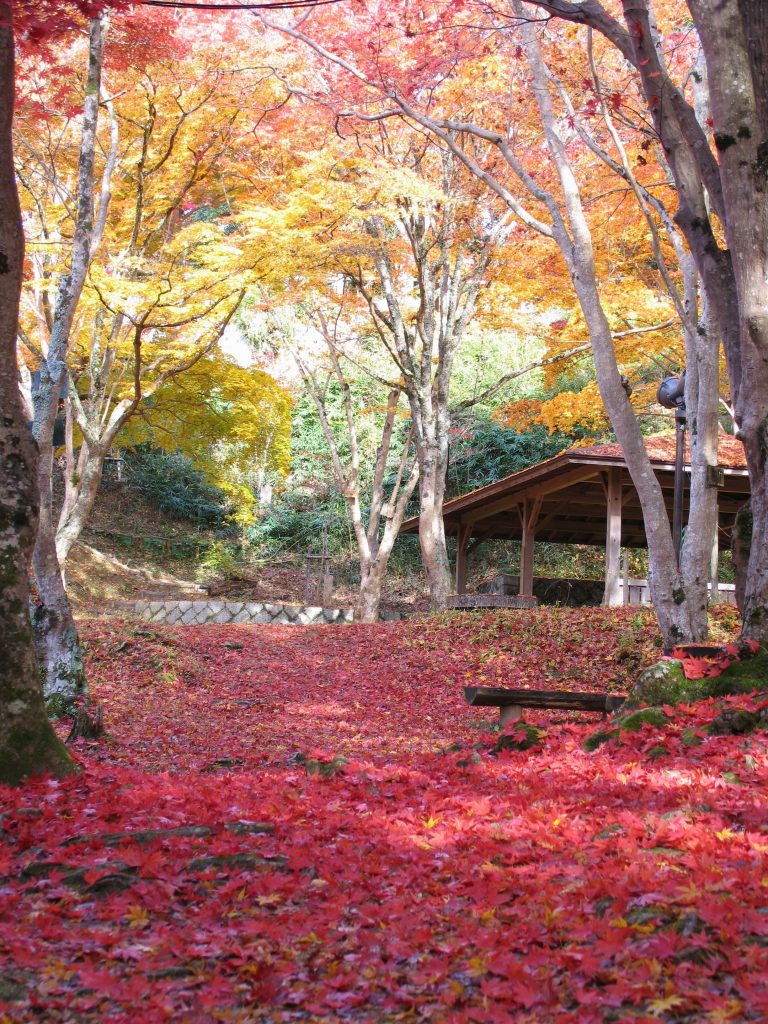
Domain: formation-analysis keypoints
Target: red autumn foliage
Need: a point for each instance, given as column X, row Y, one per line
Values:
column 216, row 861
column 711, row 665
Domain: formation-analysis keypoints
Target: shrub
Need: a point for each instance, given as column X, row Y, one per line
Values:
column 169, row 481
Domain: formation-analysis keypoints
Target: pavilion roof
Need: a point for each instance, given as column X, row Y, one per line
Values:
column 661, row 448
column 572, row 487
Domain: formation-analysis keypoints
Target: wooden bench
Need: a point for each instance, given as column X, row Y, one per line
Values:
column 511, row 702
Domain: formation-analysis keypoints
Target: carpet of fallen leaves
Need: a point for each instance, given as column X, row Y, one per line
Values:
column 216, row 860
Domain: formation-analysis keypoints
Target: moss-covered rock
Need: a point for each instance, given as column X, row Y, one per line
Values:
column 737, row 721
column 598, row 738
column 635, row 720
column 520, row 737
column 665, row 682
column 632, row 721
column 325, row 769
column 658, row 751
column 662, row 683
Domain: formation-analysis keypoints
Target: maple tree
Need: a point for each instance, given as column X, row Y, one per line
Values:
column 376, row 526
column 58, row 644
column 232, row 421
column 401, row 227
column 154, row 276
column 720, row 179
column 27, row 742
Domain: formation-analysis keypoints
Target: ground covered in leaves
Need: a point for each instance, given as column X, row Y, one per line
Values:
column 309, row 824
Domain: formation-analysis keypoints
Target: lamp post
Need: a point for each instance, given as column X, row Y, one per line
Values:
column 671, row 395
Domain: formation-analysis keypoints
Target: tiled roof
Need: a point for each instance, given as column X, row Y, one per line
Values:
column 661, row 448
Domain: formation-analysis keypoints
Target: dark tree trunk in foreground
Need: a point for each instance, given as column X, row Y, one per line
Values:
column 28, row 744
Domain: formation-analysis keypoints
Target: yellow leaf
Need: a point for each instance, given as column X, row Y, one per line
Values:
column 659, row 1006
column 137, row 917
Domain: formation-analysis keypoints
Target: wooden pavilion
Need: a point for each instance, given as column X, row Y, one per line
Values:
column 582, row 496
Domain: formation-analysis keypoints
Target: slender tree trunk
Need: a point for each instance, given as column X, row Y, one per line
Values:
column 572, row 233
column 433, row 461
column 58, row 643
column 702, row 400
column 74, row 521
column 28, row 744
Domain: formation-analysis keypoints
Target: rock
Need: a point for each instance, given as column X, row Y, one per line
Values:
column 734, row 722
column 236, row 861
column 223, row 762
column 662, row 683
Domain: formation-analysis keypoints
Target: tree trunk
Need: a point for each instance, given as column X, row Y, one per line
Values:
column 734, row 36
column 368, row 603
column 57, row 640
column 58, row 645
column 741, row 539
column 702, row 399
column 434, row 552
column 73, row 522
column 28, row 744
column 679, row 617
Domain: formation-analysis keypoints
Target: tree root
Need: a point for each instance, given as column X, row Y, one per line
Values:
column 87, row 722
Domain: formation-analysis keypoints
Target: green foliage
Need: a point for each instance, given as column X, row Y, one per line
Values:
column 298, row 521
column 311, row 507
column 221, row 559
column 486, row 452
column 170, row 482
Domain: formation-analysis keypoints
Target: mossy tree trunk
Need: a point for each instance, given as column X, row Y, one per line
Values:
column 28, row 744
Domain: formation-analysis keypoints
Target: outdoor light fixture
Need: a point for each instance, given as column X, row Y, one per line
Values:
column 671, row 395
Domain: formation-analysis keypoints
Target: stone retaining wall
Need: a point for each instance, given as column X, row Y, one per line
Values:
column 199, row 613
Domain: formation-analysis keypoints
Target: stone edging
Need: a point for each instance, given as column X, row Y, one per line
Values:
column 199, row 613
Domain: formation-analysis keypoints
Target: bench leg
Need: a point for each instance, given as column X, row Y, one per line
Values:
column 510, row 713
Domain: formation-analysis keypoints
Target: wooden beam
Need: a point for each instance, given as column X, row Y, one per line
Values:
column 575, row 476
column 613, row 595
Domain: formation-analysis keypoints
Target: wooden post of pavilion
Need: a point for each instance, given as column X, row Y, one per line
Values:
column 613, row 593
column 463, row 534
column 714, row 588
column 528, row 510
